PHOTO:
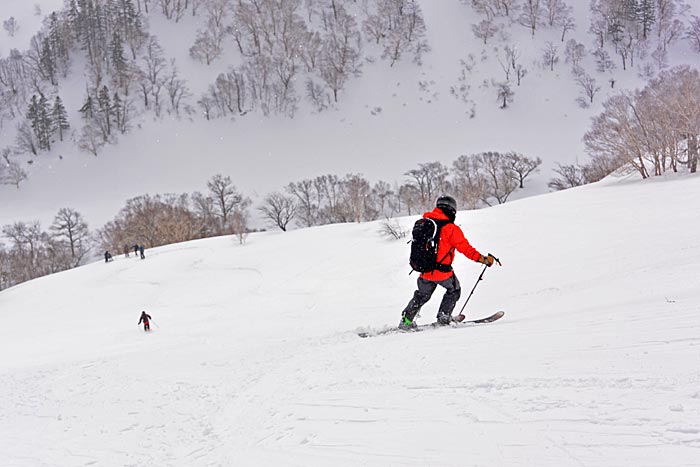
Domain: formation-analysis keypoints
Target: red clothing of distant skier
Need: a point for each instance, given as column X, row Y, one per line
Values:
column 451, row 238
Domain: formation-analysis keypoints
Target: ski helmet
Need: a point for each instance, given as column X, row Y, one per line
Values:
column 447, row 202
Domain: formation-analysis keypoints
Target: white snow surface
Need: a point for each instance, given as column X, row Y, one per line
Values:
column 254, row 360
column 384, row 126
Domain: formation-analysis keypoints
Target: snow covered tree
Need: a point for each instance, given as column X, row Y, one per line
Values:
column 554, row 11
column 176, row 88
column 59, row 117
column 205, row 48
column 25, row 139
column 121, row 72
column 340, row 56
column 567, row 24
column 91, row 138
column 153, row 79
column 603, row 61
column 550, row 55
column 588, row 84
column 505, row 94
column 485, row 30
column 531, row 14
column 574, row 52
column 646, row 15
column 39, row 116
column 11, row 173
column 693, row 33
column 10, row 26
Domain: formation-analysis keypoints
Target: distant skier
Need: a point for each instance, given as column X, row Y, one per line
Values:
column 141, row 250
column 136, row 250
column 126, row 251
column 451, row 237
column 108, row 257
column 145, row 318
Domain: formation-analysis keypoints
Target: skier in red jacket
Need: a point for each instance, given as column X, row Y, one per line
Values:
column 451, row 239
column 145, row 318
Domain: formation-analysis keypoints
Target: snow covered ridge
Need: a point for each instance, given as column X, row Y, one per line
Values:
column 253, row 359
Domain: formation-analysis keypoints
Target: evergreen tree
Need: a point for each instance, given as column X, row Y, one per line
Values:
column 117, row 110
column 646, row 15
column 119, row 63
column 104, row 105
column 88, row 108
column 40, row 121
column 47, row 61
column 60, row 117
column 32, row 112
column 44, row 123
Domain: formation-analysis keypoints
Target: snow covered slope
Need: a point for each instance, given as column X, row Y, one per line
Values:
column 253, row 358
column 386, row 122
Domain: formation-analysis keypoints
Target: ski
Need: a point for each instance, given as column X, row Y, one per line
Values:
column 457, row 323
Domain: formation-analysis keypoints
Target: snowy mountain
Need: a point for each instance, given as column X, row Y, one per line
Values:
column 386, row 121
column 254, row 359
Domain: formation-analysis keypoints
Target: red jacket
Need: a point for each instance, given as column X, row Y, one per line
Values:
column 451, row 238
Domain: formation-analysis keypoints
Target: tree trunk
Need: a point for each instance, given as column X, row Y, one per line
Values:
column 693, row 153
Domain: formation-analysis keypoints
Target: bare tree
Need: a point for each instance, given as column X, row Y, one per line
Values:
column 550, row 55
column 308, row 205
column 574, row 52
column 70, row 226
column 176, row 88
column 693, row 33
column 469, row 183
column 569, row 176
column 500, row 180
column 430, row 181
column 588, row 84
column 155, row 68
column 505, row 94
column 11, row 173
column 226, row 198
column 206, row 48
column 485, row 30
column 280, row 209
column 567, row 24
column 25, row 139
column 521, row 166
column 531, row 14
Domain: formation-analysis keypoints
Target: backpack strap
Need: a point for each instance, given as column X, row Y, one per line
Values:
column 438, row 265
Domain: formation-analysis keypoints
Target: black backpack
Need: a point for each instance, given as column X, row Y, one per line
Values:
column 424, row 246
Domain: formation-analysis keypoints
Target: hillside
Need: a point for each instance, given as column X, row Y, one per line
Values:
column 254, row 360
column 387, row 120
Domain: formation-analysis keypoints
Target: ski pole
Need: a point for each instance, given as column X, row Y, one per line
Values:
column 481, row 277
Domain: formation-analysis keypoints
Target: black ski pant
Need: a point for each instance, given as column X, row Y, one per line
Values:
column 425, row 291
column 146, row 327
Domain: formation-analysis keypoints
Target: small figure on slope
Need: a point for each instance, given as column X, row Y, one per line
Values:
column 108, row 257
column 145, row 318
column 439, row 272
column 141, row 249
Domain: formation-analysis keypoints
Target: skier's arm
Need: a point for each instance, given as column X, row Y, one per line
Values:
column 463, row 246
